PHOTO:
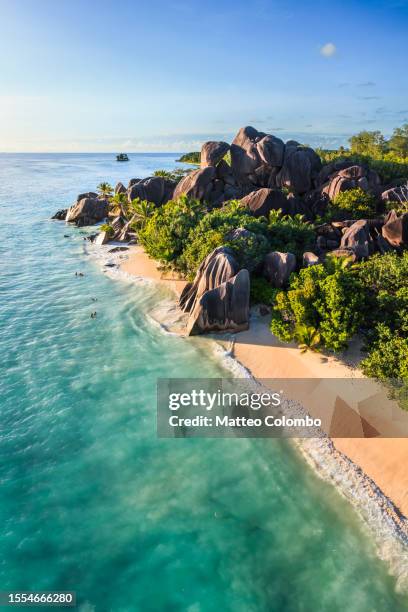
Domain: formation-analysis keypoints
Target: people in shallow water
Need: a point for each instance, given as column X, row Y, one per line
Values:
column 93, row 315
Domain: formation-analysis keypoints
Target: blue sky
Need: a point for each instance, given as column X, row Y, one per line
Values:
column 161, row 75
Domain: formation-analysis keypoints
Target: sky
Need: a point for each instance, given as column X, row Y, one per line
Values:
column 167, row 75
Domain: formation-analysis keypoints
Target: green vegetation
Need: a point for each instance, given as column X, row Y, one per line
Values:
column 389, row 158
column 324, row 297
column 119, row 204
column 105, row 227
column 290, row 234
column 308, row 338
column 190, row 158
column 105, row 189
column 142, row 210
column 212, row 231
column 352, row 204
column 165, row 233
column 399, row 141
column 261, row 291
column 172, row 175
column 338, row 300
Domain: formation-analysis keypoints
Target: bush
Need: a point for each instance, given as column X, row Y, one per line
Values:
column 212, row 231
column 388, row 357
column 290, row 234
column 261, row 291
column 326, row 298
column 354, row 203
column 105, row 227
column 165, row 234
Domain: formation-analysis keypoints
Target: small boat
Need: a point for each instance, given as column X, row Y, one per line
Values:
column 122, row 157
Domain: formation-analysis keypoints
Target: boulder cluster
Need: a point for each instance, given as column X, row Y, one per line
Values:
column 265, row 174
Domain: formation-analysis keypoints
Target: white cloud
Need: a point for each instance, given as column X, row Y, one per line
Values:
column 328, row 50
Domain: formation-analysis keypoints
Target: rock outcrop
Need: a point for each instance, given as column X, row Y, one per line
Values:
column 212, row 152
column 395, row 194
column 87, row 211
column 218, row 299
column 357, row 238
column 219, row 266
column 120, row 188
column 225, row 308
column 301, row 167
column 261, row 201
column 310, row 259
column 60, row 215
column 278, row 267
column 155, row 189
column 352, row 177
column 395, row 230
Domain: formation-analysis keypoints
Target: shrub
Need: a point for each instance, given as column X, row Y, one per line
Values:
column 261, row 291
column 105, row 227
column 326, row 298
column 212, row 231
column 354, row 203
column 290, row 234
column 388, row 361
column 165, row 234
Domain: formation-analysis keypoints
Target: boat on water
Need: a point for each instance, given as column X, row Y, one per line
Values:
column 122, row 157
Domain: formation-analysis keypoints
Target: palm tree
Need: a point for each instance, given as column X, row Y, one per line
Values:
column 105, row 189
column 119, row 200
column 308, row 338
column 142, row 210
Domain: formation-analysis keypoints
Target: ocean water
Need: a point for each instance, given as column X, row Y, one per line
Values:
column 90, row 499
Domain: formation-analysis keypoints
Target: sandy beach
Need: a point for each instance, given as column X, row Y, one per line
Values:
column 384, row 460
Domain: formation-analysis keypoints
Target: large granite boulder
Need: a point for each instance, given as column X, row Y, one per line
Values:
column 271, row 150
column 212, row 152
column 87, row 194
column 278, row 267
column 155, row 189
column 352, row 177
column 224, row 308
column 219, row 266
column 88, row 211
column 120, row 188
column 261, row 201
column 395, row 230
column 197, row 184
column 357, row 238
column 254, row 155
column 301, row 167
column 310, row 259
column 395, row 194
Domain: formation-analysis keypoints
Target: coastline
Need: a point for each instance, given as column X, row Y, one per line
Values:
column 369, row 472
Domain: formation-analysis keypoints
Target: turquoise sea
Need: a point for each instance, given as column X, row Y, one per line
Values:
column 90, row 499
